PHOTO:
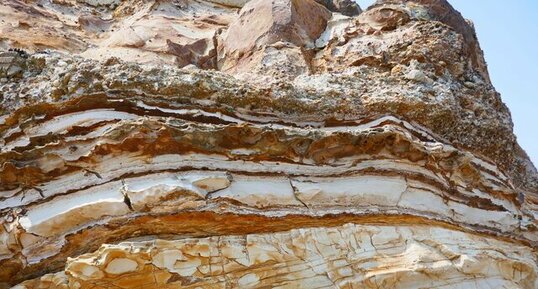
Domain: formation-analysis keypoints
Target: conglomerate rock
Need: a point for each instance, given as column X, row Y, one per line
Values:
column 256, row 144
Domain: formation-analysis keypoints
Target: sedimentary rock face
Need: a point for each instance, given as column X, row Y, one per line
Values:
column 256, row 144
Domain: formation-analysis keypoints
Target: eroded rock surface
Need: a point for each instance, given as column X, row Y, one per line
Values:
column 335, row 257
column 256, row 144
column 272, row 38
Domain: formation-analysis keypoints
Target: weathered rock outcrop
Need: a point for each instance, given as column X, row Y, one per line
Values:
column 256, row 144
column 272, row 38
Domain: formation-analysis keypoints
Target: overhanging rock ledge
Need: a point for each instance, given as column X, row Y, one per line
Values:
column 256, row 144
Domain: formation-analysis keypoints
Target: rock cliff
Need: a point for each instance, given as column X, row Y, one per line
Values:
column 256, row 144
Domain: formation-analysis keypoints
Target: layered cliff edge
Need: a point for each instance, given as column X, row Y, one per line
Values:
column 256, row 144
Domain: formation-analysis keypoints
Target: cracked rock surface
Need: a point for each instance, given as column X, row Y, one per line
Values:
column 256, row 144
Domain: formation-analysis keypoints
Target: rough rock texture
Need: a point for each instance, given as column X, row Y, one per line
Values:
column 345, row 7
column 279, row 32
column 305, row 258
column 256, row 144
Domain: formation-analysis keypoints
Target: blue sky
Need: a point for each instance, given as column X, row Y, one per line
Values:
column 508, row 34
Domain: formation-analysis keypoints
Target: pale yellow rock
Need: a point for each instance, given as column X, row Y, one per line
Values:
column 256, row 144
column 120, row 266
column 349, row 255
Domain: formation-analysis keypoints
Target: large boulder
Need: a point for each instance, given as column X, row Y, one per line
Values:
column 263, row 27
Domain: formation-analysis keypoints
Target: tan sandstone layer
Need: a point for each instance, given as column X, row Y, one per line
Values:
column 256, row 144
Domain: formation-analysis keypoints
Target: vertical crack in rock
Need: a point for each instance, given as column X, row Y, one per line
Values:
column 126, row 199
column 403, row 193
column 256, row 144
column 295, row 192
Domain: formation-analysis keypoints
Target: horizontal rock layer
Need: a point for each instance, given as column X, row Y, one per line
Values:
column 341, row 257
column 335, row 148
